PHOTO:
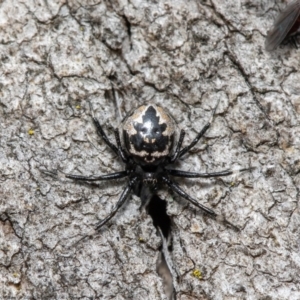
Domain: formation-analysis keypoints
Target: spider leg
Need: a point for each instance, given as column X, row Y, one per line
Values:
column 179, row 173
column 174, row 157
column 120, row 202
column 175, row 187
column 102, row 134
column 121, row 151
column 199, row 135
column 111, row 176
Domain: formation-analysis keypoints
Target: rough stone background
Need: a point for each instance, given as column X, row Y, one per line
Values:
column 56, row 56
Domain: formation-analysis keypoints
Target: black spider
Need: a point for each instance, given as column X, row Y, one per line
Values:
column 148, row 134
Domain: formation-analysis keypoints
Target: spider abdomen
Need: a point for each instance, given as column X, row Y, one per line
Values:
column 149, row 134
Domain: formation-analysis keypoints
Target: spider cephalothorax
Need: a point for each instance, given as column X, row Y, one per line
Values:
column 148, row 134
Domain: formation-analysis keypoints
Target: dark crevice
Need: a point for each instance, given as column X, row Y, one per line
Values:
column 157, row 209
column 128, row 26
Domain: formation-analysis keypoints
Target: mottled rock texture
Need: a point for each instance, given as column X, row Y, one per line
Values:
column 56, row 57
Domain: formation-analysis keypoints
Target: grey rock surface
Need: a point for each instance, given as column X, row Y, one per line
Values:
column 56, row 57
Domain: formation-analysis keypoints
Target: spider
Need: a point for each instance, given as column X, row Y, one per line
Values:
column 147, row 150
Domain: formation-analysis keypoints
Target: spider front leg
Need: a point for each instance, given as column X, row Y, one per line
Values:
column 121, row 151
column 103, row 135
column 120, row 202
column 199, row 135
column 117, row 149
column 174, row 157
